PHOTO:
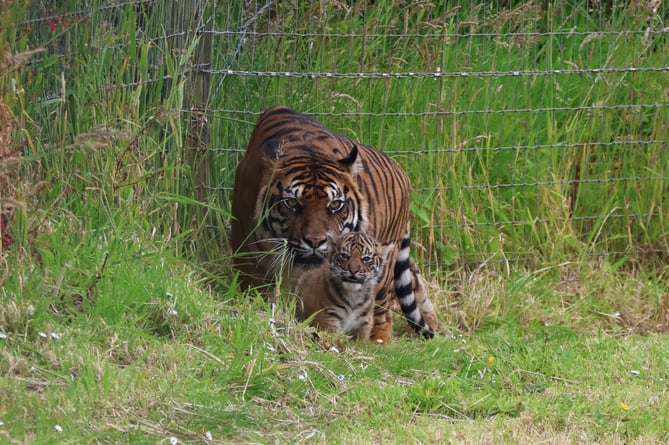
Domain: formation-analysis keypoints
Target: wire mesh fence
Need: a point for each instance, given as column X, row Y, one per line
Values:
column 533, row 131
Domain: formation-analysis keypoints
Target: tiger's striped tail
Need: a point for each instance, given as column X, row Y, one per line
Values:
column 405, row 270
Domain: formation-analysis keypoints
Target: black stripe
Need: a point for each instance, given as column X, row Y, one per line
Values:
column 400, row 267
column 334, row 314
column 334, row 296
column 409, row 308
column 380, row 302
column 403, row 291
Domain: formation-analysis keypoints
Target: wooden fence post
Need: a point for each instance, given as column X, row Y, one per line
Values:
column 188, row 23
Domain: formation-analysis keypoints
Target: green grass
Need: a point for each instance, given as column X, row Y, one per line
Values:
column 245, row 374
column 477, row 149
column 122, row 320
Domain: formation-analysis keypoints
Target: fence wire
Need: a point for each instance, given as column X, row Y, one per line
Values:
column 526, row 126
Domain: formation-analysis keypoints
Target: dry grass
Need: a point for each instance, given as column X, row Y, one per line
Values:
column 591, row 297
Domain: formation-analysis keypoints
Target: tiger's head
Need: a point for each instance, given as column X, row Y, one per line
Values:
column 356, row 259
column 305, row 198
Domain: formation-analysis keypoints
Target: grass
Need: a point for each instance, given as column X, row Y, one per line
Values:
column 532, row 147
column 539, row 216
column 247, row 374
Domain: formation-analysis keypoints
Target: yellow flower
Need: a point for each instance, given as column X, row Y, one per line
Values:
column 623, row 406
column 491, row 360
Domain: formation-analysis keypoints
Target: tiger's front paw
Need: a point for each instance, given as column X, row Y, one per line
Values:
column 382, row 331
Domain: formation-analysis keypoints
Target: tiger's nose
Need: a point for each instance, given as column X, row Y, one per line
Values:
column 314, row 241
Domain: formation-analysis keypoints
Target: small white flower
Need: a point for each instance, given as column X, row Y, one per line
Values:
column 2, row 423
column 208, row 435
column 58, row 428
column 56, row 335
column 334, row 349
column 302, row 376
column 173, row 440
column 42, row 334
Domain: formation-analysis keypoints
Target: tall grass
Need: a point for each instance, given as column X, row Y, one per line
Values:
column 536, row 167
column 101, row 155
column 510, row 160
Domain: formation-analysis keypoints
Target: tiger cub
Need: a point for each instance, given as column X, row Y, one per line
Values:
column 340, row 293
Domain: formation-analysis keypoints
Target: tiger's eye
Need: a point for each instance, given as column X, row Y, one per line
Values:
column 367, row 259
column 343, row 256
column 336, row 205
column 291, row 203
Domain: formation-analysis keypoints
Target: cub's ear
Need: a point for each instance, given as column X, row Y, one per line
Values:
column 385, row 250
column 349, row 163
column 332, row 242
column 273, row 151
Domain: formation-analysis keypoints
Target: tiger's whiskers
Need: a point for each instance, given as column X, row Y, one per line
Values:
column 279, row 257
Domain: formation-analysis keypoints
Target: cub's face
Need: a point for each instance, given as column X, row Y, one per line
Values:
column 305, row 199
column 357, row 258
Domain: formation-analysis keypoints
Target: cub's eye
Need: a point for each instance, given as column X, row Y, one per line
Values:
column 336, row 205
column 367, row 259
column 291, row 203
column 343, row 256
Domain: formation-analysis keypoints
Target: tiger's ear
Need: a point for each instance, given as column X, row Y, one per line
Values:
column 273, row 150
column 349, row 163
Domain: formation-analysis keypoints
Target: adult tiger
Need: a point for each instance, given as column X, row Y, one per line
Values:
column 298, row 181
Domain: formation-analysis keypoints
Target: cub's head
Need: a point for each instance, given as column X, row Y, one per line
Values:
column 357, row 258
column 305, row 197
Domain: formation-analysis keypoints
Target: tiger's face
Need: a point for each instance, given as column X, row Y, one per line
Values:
column 305, row 199
column 357, row 258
